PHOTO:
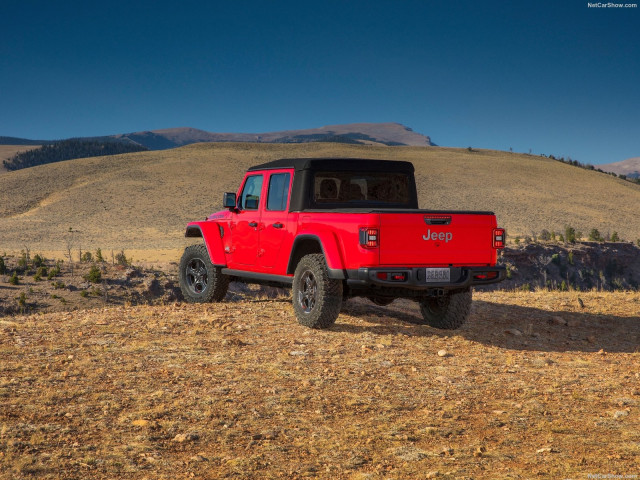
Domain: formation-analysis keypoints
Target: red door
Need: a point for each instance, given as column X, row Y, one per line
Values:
column 274, row 226
column 245, row 224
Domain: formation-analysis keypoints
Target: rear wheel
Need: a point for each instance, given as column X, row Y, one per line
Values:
column 316, row 297
column 200, row 280
column 447, row 312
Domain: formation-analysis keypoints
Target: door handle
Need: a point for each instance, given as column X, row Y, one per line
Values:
column 277, row 225
column 253, row 224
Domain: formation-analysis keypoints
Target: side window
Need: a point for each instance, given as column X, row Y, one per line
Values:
column 278, row 191
column 251, row 193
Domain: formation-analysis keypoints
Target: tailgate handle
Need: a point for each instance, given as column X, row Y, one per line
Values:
column 437, row 220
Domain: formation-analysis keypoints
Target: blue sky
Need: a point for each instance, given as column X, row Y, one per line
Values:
column 556, row 77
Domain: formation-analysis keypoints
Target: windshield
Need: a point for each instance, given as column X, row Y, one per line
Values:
column 353, row 188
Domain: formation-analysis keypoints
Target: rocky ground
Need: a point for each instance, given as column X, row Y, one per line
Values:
column 536, row 385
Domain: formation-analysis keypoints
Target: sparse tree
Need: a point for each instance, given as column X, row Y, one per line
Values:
column 615, row 237
column 570, row 234
column 594, row 235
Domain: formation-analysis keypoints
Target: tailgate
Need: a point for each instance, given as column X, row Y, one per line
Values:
column 436, row 238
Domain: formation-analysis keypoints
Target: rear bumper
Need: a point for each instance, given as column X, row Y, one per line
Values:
column 414, row 277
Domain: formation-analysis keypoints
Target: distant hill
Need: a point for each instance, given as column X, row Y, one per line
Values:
column 22, row 141
column 142, row 201
column 67, row 150
column 629, row 167
column 390, row 134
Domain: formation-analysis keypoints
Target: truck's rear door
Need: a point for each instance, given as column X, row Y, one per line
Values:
column 437, row 238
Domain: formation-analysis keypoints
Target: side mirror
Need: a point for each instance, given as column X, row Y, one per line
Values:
column 229, row 200
column 251, row 203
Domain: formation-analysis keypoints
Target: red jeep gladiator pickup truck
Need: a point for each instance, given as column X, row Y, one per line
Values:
column 338, row 228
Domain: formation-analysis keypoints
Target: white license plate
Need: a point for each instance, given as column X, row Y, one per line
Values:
column 438, row 275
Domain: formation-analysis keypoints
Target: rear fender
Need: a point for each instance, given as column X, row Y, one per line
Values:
column 318, row 242
column 210, row 233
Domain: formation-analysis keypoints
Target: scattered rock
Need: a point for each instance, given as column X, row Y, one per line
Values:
column 558, row 321
column 620, row 414
column 140, row 423
column 443, row 353
column 513, row 331
column 547, row 450
column 591, row 339
column 409, row 453
column 298, row 353
column 186, row 437
column 573, row 323
column 478, row 452
column 446, row 451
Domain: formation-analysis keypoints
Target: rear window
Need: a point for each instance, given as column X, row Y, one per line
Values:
column 353, row 188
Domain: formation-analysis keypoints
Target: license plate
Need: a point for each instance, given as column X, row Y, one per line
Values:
column 437, row 275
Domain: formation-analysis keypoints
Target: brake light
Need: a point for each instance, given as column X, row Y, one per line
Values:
column 369, row 237
column 499, row 238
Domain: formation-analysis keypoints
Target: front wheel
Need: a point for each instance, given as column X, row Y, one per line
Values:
column 316, row 297
column 448, row 312
column 200, row 280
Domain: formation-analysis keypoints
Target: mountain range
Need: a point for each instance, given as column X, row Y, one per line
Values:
column 391, row 134
column 629, row 167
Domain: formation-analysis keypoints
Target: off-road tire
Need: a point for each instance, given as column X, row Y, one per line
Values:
column 200, row 280
column 447, row 312
column 316, row 297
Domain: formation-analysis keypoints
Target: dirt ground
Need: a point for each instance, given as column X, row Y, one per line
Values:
column 535, row 385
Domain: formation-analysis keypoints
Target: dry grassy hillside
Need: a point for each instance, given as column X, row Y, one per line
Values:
column 142, row 201
column 8, row 151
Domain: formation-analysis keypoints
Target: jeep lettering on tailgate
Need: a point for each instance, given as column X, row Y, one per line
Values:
column 446, row 236
column 332, row 229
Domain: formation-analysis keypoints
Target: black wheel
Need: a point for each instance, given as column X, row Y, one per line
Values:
column 200, row 280
column 447, row 312
column 316, row 297
column 382, row 301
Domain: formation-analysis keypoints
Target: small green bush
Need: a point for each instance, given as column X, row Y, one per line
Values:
column 594, row 236
column 99, row 257
column 23, row 261
column 84, row 294
column 14, row 279
column 41, row 272
column 615, row 237
column 3, row 267
column 38, row 261
column 22, row 301
column 94, row 275
column 121, row 259
column 545, row 235
column 55, row 271
column 570, row 234
column 570, row 258
column 555, row 258
column 86, row 257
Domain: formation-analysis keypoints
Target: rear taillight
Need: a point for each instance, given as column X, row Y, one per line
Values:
column 369, row 237
column 499, row 238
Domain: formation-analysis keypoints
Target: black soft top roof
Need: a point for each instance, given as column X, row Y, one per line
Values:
column 338, row 164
